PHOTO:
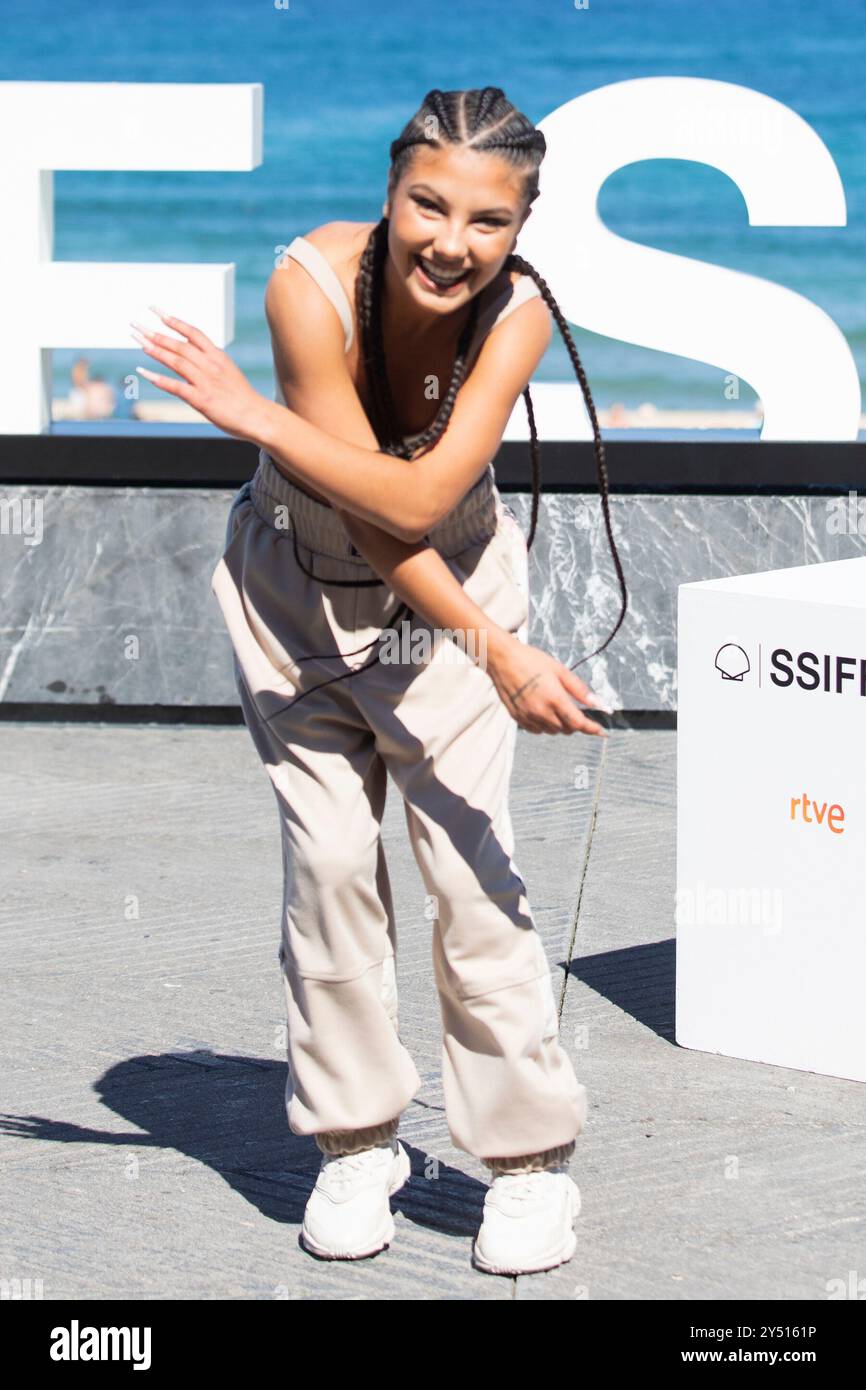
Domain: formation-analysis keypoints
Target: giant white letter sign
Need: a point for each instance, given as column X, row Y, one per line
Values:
column 103, row 125
column 789, row 350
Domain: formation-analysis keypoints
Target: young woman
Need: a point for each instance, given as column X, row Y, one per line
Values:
column 375, row 503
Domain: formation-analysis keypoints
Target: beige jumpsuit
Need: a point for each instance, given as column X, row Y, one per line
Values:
column 437, row 724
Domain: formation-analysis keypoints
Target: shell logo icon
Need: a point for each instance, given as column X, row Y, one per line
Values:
column 732, row 661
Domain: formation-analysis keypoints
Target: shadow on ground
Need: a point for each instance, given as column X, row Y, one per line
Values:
column 228, row 1112
column 640, row 980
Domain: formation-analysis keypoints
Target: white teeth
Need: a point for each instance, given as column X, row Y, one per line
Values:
column 438, row 276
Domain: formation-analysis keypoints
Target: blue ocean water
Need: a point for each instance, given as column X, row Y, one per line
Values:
column 341, row 77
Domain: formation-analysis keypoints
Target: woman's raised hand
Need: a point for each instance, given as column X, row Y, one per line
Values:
column 210, row 381
column 540, row 692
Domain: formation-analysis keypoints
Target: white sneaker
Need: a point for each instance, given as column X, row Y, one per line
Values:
column 348, row 1214
column 527, row 1225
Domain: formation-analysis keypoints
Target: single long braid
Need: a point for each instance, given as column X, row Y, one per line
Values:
column 516, row 262
column 482, row 119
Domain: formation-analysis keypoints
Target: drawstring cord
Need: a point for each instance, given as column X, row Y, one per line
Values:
column 402, row 608
column 346, row 583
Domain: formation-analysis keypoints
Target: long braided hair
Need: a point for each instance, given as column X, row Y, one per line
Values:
column 482, row 119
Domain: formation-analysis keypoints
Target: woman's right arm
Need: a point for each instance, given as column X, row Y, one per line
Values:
column 309, row 360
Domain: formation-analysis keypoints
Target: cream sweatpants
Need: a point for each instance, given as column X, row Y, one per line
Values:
column 431, row 718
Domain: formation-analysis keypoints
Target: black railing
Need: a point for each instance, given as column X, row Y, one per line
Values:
column 693, row 465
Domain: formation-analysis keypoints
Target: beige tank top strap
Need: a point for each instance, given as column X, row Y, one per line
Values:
column 311, row 258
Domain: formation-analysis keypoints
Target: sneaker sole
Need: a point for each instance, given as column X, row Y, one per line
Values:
column 402, row 1169
column 549, row 1261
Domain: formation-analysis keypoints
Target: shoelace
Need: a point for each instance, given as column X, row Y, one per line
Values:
column 519, row 1185
column 340, row 1169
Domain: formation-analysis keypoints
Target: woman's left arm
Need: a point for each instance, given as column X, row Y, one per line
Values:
column 406, row 497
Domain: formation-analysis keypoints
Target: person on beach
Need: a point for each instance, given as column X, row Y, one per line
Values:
column 90, row 397
column 400, row 350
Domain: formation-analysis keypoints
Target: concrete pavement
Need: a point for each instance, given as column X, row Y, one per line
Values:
column 145, row 1150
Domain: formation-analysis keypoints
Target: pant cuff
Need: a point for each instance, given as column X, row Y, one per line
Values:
column 532, row 1163
column 339, row 1142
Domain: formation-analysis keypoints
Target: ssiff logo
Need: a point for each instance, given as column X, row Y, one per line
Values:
column 806, row 670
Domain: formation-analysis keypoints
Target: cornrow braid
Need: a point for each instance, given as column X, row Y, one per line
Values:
column 368, row 297
column 482, row 119
column 516, row 262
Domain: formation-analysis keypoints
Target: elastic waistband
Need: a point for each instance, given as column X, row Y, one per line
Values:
column 280, row 503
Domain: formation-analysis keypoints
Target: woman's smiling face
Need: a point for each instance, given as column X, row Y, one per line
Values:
column 453, row 219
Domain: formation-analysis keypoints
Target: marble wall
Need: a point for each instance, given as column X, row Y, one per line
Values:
column 107, row 599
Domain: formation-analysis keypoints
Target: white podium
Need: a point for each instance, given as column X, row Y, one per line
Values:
column 771, row 807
